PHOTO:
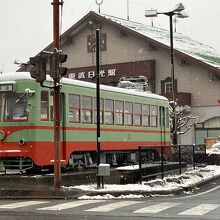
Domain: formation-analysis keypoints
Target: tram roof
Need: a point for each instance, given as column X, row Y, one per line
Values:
column 13, row 76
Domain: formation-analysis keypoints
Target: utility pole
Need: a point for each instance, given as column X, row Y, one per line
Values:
column 98, row 106
column 38, row 72
column 56, row 97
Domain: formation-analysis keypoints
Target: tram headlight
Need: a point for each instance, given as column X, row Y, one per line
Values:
column 21, row 141
column 2, row 135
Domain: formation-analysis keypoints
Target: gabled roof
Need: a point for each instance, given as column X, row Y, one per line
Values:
column 184, row 46
column 182, row 43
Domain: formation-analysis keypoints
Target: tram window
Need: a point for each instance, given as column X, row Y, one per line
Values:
column 51, row 107
column 137, row 114
column 101, row 111
column 86, row 109
column 119, row 111
column 154, row 115
column 162, row 117
column 15, row 107
column 1, row 106
column 109, row 111
column 128, row 113
column 51, row 104
column 167, row 118
column 146, row 115
column 74, row 108
column 44, row 106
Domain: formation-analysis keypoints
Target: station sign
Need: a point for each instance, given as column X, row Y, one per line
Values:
column 111, row 73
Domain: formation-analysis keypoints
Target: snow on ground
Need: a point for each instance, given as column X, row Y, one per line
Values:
column 215, row 149
column 169, row 184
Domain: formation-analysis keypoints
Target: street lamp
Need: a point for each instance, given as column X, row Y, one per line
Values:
column 177, row 11
column 99, row 2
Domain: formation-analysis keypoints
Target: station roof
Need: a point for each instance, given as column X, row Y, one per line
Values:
column 184, row 46
column 181, row 42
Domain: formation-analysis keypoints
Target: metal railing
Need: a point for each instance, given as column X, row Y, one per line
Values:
column 172, row 158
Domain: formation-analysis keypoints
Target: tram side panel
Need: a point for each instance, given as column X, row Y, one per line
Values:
column 126, row 123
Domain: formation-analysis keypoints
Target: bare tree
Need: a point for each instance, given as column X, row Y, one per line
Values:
column 180, row 120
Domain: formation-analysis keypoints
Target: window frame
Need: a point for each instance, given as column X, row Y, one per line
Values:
column 1, row 106
column 86, row 109
column 111, row 112
column 146, row 115
column 5, row 119
column 47, row 106
column 153, row 117
column 137, row 114
column 168, row 87
column 119, row 113
column 128, row 115
column 74, row 109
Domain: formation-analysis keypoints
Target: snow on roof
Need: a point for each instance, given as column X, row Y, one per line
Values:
column 26, row 75
column 181, row 43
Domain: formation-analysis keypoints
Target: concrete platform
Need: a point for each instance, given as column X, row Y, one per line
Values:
column 42, row 186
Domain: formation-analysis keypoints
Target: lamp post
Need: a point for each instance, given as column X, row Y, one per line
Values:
column 98, row 105
column 99, row 2
column 178, row 12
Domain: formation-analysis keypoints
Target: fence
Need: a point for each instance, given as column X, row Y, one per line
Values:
column 171, row 158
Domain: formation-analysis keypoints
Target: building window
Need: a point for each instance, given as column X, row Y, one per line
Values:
column 44, row 115
column 119, row 112
column 168, row 87
column 137, row 114
column 109, row 111
column 146, row 115
column 86, row 109
column 74, row 108
column 128, row 113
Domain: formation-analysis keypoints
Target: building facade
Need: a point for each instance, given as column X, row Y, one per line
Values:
column 130, row 49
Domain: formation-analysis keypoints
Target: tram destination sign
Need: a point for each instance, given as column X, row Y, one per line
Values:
column 6, row 87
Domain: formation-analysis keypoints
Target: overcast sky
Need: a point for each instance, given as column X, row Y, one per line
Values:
column 26, row 25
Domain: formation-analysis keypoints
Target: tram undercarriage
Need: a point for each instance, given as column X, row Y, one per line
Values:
column 80, row 160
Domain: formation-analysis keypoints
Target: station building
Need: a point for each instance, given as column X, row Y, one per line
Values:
column 131, row 49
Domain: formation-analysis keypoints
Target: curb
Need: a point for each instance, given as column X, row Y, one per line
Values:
column 51, row 193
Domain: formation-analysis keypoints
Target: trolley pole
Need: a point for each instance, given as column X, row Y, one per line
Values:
column 56, row 45
column 98, row 106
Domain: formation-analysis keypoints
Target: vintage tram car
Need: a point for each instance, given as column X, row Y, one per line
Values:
column 128, row 119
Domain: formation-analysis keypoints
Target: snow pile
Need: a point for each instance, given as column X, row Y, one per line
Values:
column 168, row 185
column 215, row 149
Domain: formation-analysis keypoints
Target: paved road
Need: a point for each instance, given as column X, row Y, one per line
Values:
column 203, row 205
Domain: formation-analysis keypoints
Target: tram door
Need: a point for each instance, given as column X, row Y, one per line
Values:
column 162, row 124
column 62, row 122
column 62, row 126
